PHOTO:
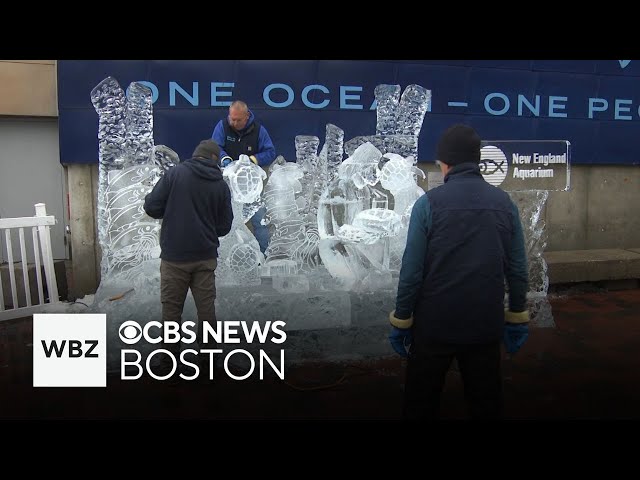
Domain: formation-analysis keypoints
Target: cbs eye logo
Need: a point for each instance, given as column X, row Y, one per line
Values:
column 493, row 165
column 130, row 332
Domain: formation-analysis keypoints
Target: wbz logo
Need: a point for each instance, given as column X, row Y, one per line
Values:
column 69, row 350
column 74, row 349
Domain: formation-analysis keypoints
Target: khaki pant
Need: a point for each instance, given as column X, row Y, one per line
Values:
column 176, row 278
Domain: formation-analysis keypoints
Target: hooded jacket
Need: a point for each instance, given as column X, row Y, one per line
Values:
column 194, row 203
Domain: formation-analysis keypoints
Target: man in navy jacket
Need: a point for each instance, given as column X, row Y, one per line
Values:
column 194, row 203
column 465, row 238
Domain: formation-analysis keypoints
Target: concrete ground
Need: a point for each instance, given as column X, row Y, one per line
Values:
column 588, row 367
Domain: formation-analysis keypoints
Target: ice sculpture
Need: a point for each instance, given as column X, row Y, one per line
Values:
column 239, row 255
column 358, row 231
column 293, row 246
column 399, row 120
column 387, row 99
column 504, row 163
column 334, row 150
column 129, row 167
column 313, row 178
column 338, row 228
column 531, row 205
column 362, row 239
column 318, row 169
column 398, row 176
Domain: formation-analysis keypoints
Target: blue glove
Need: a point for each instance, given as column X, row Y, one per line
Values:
column 515, row 334
column 400, row 339
column 226, row 161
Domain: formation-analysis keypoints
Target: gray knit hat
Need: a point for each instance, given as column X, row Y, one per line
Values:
column 208, row 149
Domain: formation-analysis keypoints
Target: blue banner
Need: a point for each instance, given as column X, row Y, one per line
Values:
column 593, row 104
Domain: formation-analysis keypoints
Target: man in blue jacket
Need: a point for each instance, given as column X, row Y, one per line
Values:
column 194, row 203
column 465, row 238
column 239, row 134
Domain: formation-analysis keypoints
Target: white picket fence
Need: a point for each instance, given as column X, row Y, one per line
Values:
column 40, row 229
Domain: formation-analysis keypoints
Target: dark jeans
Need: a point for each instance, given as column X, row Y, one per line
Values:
column 176, row 278
column 427, row 369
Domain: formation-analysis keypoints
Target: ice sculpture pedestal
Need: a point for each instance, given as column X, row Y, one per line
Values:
column 310, row 310
column 321, row 324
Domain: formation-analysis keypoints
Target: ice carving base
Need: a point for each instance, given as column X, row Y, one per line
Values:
column 322, row 324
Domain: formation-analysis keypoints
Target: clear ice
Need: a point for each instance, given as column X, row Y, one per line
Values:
column 129, row 166
column 239, row 255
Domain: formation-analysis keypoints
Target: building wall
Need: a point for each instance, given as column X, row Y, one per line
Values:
column 30, row 169
column 29, row 88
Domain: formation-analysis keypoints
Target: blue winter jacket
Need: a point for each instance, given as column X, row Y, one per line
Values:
column 247, row 141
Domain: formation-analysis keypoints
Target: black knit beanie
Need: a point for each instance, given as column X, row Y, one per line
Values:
column 459, row 144
column 207, row 149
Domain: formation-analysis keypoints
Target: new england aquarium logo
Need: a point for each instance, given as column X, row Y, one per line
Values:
column 493, row 165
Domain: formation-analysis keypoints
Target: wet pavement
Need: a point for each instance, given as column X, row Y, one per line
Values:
column 587, row 367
